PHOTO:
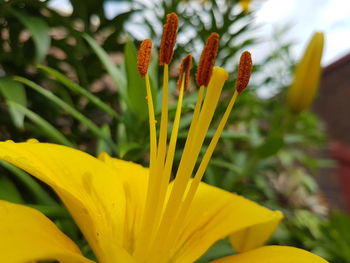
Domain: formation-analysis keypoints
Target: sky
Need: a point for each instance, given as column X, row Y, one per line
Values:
column 304, row 17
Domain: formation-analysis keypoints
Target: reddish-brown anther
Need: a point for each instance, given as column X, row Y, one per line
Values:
column 244, row 71
column 168, row 39
column 207, row 60
column 184, row 71
column 144, row 57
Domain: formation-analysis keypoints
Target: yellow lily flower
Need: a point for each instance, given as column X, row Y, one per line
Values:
column 245, row 4
column 132, row 214
column 306, row 76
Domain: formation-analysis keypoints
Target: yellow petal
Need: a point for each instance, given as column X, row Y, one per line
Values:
column 135, row 180
column 249, row 224
column 216, row 214
column 273, row 254
column 255, row 235
column 28, row 236
column 90, row 189
column 306, row 77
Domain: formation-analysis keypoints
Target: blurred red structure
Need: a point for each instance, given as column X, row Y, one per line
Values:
column 341, row 153
column 333, row 106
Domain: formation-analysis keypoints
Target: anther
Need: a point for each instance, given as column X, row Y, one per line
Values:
column 168, row 39
column 207, row 60
column 244, row 71
column 144, row 57
column 184, row 71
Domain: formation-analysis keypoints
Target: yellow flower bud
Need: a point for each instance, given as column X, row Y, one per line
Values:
column 245, row 4
column 306, row 76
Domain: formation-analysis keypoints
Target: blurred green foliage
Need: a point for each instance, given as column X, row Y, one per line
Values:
column 71, row 78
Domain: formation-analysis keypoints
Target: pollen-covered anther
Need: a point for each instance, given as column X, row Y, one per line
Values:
column 144, row 57
column 184, row 72
column 244, row 71
column 207, row 60
column 168, row 39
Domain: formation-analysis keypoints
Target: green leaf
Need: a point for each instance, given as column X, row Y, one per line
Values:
column 53, row 211
column 227, row 165
column 79, row 90
column 136, row 84
column 270, row 147
column 72, row 111
column 8, row 191
column 210, row 176
column 39, row 30
column 50, row 130
column 220, row 249
column 14, row 92
column 67, row 225
column 125, row 148
column 102, row 146
column 117, row 77
column 39, row 193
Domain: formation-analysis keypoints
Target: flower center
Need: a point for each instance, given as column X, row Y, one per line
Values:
column 167, row 205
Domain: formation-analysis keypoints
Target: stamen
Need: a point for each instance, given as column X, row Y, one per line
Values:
column 144, row 57
column 157, row 161
column 182, row 216
column 152, row 122
column 165, row 178
column 207, row 60
column 205, row 161
column 184, row 71
column 157, row 194
column 244, row 71
column 190, row 155
column 152, row 180
column 168, row 39
column 164, row 119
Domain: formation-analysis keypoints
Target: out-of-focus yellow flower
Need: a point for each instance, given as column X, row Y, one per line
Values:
column 306, row 76
column 245, row 5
